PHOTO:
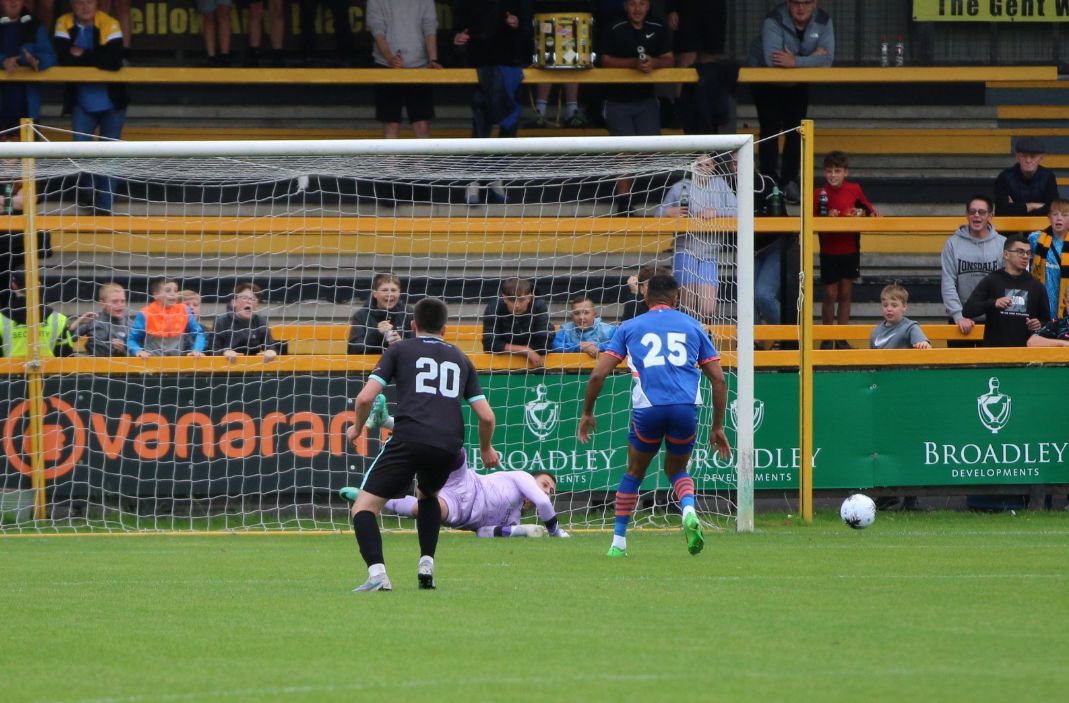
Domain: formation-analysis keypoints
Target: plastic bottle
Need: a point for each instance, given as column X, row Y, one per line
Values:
column 822, row 208
column 900, row 52
column 642, row 54
column 9, row 207
column 684, row 197
column 885, row 52
column 775, row 202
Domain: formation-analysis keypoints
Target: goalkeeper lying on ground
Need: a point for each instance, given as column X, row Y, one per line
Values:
column 489, row 505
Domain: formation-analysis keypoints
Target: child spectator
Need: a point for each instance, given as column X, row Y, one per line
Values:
column 840, row 252
column 1054, row 333
column 637, row 285
column 897, row 331
column 517, row 323
column 216, row 14
column 585, row 333
column 106, row 332
column 161, row 326
column 241, row 330
column 385, row 319
column 192, row 300
column 1050, row 257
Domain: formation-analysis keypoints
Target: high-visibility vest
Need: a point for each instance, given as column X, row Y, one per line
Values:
column 15, row 336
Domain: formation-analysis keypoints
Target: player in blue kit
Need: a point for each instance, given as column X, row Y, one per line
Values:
column 667, row 352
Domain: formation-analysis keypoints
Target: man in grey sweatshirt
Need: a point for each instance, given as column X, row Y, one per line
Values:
column 405, row 36
column 971, row 253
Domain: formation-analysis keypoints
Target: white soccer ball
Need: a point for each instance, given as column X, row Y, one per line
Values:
column 858, row 511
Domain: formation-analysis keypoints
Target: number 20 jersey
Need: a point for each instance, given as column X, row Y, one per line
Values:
column 663, row 348
column 431, row 378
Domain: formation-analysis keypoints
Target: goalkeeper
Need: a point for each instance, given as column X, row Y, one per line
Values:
column 489, row 505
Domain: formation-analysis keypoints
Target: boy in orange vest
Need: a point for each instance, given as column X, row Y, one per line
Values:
column 161, row 326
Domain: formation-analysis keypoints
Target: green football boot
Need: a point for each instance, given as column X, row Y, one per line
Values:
column 692, row 529
column 379, row 414
column 349, row 493
column 616, row 553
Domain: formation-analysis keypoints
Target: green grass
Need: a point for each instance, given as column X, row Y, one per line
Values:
column 934, row 606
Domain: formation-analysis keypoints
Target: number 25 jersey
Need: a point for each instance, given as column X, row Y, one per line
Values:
column 663, row 348
column 431, row 378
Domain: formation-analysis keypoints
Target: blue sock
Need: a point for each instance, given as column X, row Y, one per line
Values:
column 626, row 499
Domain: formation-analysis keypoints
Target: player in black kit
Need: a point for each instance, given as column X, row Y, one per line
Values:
column 432, row 376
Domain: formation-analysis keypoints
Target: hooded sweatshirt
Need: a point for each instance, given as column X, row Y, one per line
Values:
column 965, row 262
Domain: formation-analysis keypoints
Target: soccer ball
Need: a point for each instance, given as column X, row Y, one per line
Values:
column 858, row 511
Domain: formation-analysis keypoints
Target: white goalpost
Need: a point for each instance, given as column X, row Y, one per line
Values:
column 303, row 231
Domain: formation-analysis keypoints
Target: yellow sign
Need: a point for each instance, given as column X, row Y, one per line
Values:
column 991, row 10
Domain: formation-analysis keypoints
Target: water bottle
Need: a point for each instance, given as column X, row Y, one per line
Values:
column 822, row 208
column 9, row 206
column 642, row 54
column 900, row 52
column 684, row 197
column 775, row 202
column 885, row 52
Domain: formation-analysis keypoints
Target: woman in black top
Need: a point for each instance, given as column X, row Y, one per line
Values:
column 240, row 330
column 384, row 321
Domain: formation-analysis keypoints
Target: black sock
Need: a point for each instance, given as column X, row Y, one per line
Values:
column 368, row 537
column 428, row 523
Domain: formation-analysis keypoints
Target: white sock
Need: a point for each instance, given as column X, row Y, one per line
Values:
column 689, row 509
column 424, row 560
column 376, row 570
column 570, row 109
column 619, row 542
column 540, row 107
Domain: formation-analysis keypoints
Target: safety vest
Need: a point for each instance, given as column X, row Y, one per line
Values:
column 15, row 336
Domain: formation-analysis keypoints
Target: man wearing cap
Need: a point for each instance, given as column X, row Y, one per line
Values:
column 1026, row 188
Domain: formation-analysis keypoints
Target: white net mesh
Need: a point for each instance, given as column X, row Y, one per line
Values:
column 178, row 441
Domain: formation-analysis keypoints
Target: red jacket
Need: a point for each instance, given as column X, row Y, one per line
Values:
column 848, row 196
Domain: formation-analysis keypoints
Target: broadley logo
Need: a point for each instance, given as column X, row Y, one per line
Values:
column 758, row 413
column 994, row 407
column 541, row 415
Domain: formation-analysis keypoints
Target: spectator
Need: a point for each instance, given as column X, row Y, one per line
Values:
column 87, row 37
column 1056, row 332
column 699, row 30
column 1026, row 188
column 708, row 193
column 276, row 31
column 216, row 30
column 24, row 42
column 1014, row 303
column 1050, row 256
column 517, row 323
column 970, row 254
column 192, row 300
column 121, row 13
column 637, row 285
column 643, row 44
column 161, row 326
column 572, row 118
column 569, row 92
column 585, row 333
column 343, row 31
column 840, row 252
column 385, row 319
column 106, row 332
column 795, row 34
column 405, row 36
column 897, row 331
column 241, row 331
column 55, row 330
column 489, row 39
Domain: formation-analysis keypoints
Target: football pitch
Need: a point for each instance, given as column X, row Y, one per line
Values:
column 920, row 607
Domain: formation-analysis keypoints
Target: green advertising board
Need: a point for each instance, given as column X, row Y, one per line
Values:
column 907, row 427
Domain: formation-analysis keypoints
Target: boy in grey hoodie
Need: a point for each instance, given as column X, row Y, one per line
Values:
column 974, row 251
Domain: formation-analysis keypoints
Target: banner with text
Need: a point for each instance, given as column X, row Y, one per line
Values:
column 991, row 10
column 218, row 435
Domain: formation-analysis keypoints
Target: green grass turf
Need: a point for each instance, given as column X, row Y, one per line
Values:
column 922, row 607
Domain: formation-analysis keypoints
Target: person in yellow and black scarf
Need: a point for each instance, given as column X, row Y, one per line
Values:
column 1050, row 257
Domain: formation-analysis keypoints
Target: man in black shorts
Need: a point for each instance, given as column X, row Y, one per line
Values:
column 431, row 378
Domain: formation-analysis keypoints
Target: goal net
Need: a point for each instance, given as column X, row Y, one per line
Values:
column 134, row 241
